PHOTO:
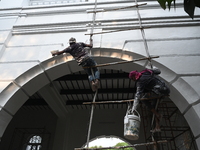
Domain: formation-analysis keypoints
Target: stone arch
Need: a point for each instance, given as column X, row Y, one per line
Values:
column 18, row 91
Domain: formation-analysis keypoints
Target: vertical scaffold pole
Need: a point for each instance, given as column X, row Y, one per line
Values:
column 91, row 117
column 148, row 54
column 143, row 34
column 93, row 22
column 94, row 99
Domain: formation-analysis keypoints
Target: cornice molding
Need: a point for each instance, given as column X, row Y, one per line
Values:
column 107, row 25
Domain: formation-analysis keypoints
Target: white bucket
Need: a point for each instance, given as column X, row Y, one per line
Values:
column 132, row 126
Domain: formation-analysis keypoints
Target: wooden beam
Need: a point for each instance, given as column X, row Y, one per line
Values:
column 121, row 101
column 117, row 75
column 100, row 91
column 123, row 62
column 136, row 28
column 122, row 147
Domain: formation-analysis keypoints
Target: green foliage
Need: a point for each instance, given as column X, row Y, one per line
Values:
column 122, row 144
column 189, row 5
column 96, row 147
column 117, row 145
column 165, row 3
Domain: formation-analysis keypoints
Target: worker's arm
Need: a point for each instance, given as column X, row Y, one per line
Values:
column 58, row 53
column 156, row 71
column 61, row 52
column 89, row 45
column 136, row 100
column 137, row 97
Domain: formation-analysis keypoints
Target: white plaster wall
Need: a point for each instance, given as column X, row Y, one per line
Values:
column 11, row 4
column 29, row 33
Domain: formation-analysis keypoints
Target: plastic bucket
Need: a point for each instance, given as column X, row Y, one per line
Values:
column 131, row 126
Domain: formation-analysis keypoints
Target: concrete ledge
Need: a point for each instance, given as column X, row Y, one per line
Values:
column 198, row 142
column 12, row 98
column 183, row 94
column 56, row 67
column 193, row 118
column 193, row 81
column 7, row 93
column 178, row 99
column 4, row 84
column 4, row 121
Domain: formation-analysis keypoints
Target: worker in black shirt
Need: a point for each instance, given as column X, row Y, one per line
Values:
column 80, row 53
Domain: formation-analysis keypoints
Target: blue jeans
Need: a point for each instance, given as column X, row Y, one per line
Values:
column 93, row 73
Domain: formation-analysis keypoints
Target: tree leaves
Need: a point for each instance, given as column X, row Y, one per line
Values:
column 197, row 3
column 117, row 145
column 165, row 3
column 189, row 5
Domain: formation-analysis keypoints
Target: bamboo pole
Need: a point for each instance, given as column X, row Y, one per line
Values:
column 126, row 7
column 121, row 101
column 91, row 117
column 122, row 147
column 117, row 30
column 97, row 11
column 122, row 62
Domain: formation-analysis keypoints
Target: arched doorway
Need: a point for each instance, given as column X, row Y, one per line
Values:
column 42, row 83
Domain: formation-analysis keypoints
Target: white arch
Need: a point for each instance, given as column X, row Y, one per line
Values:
column 18, row 91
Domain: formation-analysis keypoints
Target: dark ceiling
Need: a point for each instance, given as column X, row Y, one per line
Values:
column 76, row 89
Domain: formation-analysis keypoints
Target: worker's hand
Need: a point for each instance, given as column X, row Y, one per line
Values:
column 55, row 52
column 91, row 42
column 91, row 45
column 135, row 104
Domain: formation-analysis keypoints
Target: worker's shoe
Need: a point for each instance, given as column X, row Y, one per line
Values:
column 97, row 83
column 94, row 88
column 155, row 130
column 159, row 118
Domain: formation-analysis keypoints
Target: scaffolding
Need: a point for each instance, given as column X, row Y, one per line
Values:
column 173, row 128
column 170, row 134
column 175, row 133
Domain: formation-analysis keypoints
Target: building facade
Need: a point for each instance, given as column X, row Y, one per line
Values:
column 122, row 30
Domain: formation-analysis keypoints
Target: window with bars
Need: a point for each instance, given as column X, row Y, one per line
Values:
column 51, row 2
column 35, row 143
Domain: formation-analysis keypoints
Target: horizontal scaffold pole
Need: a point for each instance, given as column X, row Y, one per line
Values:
column 102, row 10
column 121, row 101
column 117, row 30
column 122, row 62
column 122, row 147
column 126, row 7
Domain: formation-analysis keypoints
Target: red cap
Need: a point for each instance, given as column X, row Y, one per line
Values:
column 135, row 74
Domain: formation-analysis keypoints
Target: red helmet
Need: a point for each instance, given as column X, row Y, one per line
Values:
column 135, row 74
